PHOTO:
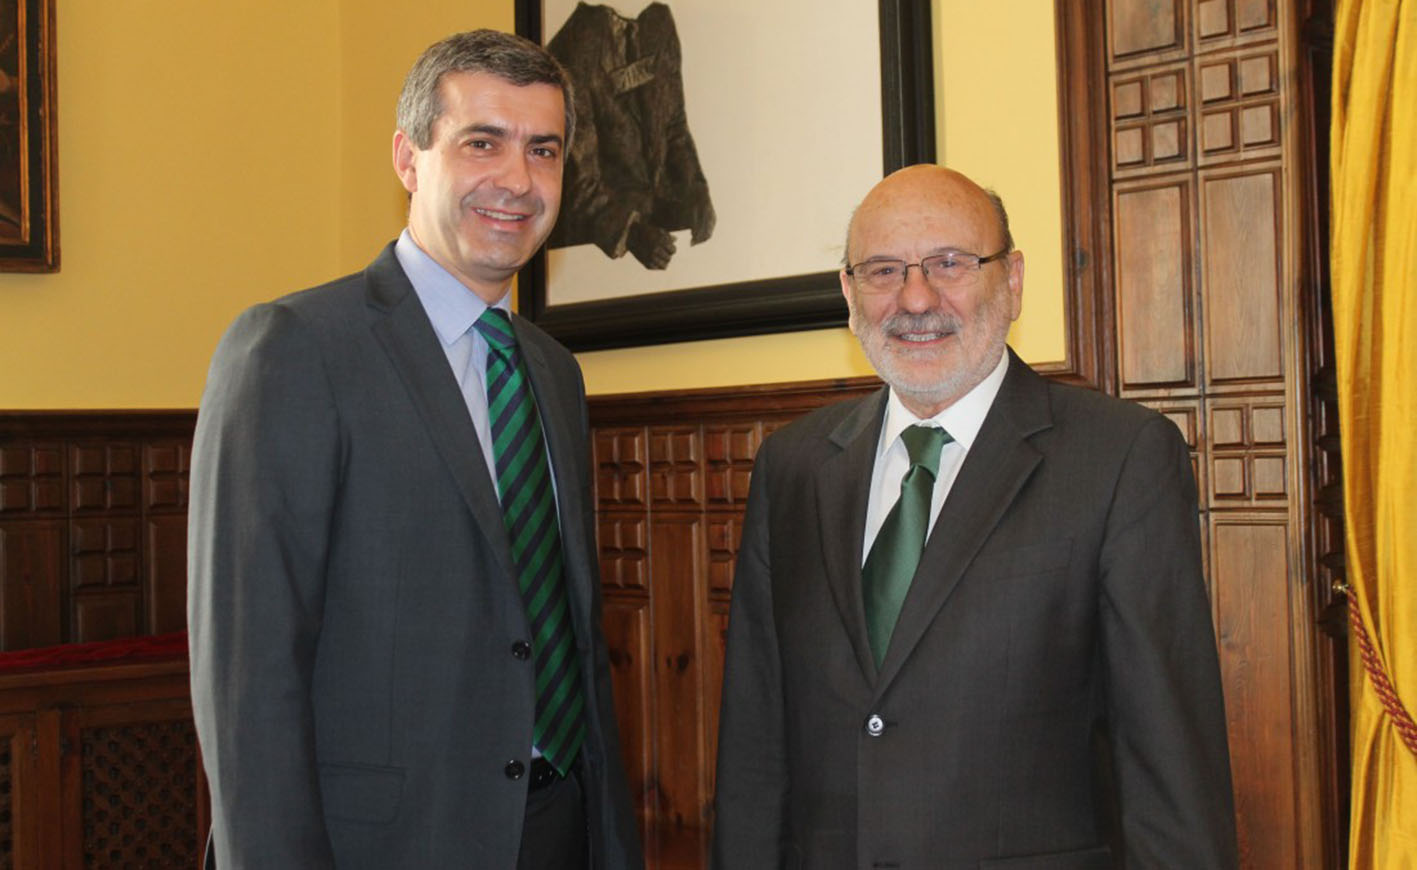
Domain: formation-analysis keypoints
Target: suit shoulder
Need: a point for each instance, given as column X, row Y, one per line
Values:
column 813, row 428
column 1099, row 423
column 1074, row 404
column 341, row 295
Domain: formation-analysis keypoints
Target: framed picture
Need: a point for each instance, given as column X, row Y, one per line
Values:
column 720, row 146
column 29, row 184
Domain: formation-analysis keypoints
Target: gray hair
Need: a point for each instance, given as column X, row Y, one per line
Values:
column 1003, row 214
column 994, row 199
column 504, row 55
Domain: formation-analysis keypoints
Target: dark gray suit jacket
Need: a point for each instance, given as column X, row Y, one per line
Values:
column 352, row 605
column 1051, row 696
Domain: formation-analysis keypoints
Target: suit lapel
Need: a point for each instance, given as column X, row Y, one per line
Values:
column 843, row 488
column 407, row 336
column 999, row 463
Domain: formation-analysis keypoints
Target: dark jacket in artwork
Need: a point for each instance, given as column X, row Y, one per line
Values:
column 632, row 157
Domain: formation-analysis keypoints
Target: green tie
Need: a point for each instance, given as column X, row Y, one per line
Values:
column 529, row 509
column 890, row 567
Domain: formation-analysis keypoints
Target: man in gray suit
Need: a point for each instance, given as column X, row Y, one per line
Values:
column 397, row 659
column 969, row 626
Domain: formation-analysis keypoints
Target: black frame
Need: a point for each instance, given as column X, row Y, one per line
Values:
column 38, row 251
column 795, row 302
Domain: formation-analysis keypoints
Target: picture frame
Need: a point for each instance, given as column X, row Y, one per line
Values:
column 756, row 303
column 29, row 176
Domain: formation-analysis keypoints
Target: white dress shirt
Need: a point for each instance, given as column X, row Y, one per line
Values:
column 962, row 420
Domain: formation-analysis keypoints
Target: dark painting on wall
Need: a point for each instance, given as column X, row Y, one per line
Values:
column 29, row 187
column 632, row 174
column 719, row 148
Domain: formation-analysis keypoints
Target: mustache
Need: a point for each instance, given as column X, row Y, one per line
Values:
column 928, row 321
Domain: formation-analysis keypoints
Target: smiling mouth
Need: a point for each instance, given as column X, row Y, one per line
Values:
column 500, row 215
column 922, row 337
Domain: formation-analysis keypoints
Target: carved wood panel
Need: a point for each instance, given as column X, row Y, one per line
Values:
column 1207, row 301
column 139, row 785
column 93, row 534
column 19, row 794
column 1251, row 574
column 1156, row 332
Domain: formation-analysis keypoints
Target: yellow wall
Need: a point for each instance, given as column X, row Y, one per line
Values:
column 195, row 176
column 216, row 155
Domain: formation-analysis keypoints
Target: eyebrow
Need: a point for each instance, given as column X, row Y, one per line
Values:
column 500, row 132
column 485, row 129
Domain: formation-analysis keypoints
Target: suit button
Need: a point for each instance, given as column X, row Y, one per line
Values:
column 522, row 650
column 875, row 726
column 514, row 770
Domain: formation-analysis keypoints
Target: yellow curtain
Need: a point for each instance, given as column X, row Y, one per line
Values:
column 1374, row 262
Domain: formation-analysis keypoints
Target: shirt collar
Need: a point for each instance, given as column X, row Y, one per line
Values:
column 962, row 419
column 451, row 307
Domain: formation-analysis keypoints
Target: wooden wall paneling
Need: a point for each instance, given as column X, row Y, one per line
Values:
column 1151, row 121
column 48, row 808
column 20, row 793
column 31, row 555
column 133, row 785
column 166, row 465
column 1234, row 185
column 114, row 486
column 683, row 756
column 1156, row 336
column 677, row 564
column 1245, row 317
column 672, row 478
column 729, row 450
column 165, row 583
column 105, row 587
column 627, row 625
column 1250, row 561
column 32, row 543
column 31, row 479
column 622, row 533
column 1153, row 28
column 1085, row 162
column 1227, row 23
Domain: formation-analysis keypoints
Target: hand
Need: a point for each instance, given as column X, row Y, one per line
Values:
column 651, row 245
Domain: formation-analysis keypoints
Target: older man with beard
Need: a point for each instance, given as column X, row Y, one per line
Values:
column 969, row 625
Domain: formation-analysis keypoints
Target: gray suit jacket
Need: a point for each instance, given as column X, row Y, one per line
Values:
column 1051, row 695
column 352, row 605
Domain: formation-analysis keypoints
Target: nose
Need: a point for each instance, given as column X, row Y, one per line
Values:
column 515, row 177
column 917, row 294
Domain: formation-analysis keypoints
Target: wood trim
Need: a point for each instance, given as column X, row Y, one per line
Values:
column 724, row 403
column 97, row 423
column 1084, row 153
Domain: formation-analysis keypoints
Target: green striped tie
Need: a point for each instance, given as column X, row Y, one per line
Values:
column 890, row 567
column 529, row 509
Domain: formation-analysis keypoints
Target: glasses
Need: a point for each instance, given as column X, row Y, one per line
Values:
column 942, row 271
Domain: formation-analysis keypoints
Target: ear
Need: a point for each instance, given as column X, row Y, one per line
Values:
column 1015, row 284
column 848, row 291
column 404, row 165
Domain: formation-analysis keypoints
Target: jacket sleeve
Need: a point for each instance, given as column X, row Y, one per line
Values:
column 751, row 800
column 264, row 476
column 1165, row 708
